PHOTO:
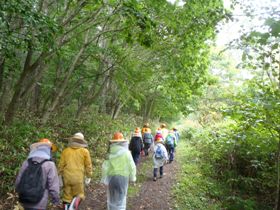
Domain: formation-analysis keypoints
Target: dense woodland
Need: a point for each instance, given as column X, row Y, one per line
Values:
column 106, row 65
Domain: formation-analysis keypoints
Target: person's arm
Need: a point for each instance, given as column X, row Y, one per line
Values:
column 132, row 167
column 130, row 145
column 61, row 164
column 165, row 154
column 53, row 183
column 23, row 167
column 88, row 164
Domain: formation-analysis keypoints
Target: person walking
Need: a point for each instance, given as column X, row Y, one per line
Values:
column 117, row 170
column 38, row 178
column 164, row 131
column 136, row 146
column 170, row 143
column 177, row 134
column 158, row 134
column 160, row 157
column 148, row 140
column 75, row 167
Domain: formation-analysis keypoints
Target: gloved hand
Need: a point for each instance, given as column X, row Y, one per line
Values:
column 87, row 181
column 60, row 181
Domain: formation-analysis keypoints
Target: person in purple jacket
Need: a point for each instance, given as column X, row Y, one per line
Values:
column 41, row 151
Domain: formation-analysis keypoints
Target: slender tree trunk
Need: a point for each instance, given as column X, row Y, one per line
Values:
column 148, row 109
column 61, row 90
column 15, row 99
column 117, row 109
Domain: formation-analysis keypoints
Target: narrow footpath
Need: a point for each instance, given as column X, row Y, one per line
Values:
column 146, row 193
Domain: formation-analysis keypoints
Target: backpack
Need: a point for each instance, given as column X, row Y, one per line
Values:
column 159, row 153
column 169, row 140
column 31, row 187
column 147, row 138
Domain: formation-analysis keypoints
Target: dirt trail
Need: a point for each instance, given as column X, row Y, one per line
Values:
column 152, row 195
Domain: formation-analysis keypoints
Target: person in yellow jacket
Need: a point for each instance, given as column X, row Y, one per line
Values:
column 75, row 167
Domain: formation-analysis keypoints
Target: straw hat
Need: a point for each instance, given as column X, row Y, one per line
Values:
column 118, row 137
column 163, row 125
column 78, row 138
column 46, row 142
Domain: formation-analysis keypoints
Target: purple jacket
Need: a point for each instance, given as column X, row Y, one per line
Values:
column 51, row 182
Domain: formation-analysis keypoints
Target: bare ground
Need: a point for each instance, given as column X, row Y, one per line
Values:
column 152, row 195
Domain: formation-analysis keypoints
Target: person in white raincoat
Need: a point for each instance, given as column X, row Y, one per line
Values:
column 117, row 171
column 160, row 157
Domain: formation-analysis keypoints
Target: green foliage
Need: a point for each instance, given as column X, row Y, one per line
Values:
column 195, row 189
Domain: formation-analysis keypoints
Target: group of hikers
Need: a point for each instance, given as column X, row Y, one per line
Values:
column 39, row 178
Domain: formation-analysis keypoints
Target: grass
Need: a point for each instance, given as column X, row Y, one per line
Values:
column 195, row 189
column 145, row 165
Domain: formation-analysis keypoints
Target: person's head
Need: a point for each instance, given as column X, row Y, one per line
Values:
column 44, row 143
column 163, row 125
column 118, row 138
column 174, row 129
column 137, row 132
column 159, row 140
column 146, row 125
column 158, row 130
column 78, row 140
column 137, row 129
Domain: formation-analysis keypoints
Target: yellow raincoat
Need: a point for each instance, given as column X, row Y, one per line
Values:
column 74, row 165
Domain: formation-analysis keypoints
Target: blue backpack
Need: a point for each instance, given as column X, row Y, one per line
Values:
column 159, row 153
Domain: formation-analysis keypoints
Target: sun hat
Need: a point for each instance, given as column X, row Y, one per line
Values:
column 78, row 138
column 163, row 125
column 118, row 137
column 146, row 125
column 46, row 142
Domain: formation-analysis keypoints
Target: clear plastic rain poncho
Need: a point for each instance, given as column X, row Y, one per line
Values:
column 117, row 170
column 159, row 162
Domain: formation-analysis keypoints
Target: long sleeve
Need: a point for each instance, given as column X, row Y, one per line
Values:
column 53, row 183
column 88, row 164
column 61, row 164
column 23, row 167
column 132, row 167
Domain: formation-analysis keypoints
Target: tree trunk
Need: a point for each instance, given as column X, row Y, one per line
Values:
column 149, row 103
column 18, row 88
column 61, row 90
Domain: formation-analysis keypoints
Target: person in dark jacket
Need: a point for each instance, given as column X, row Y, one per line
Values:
column 136, row 145
column 41, row 151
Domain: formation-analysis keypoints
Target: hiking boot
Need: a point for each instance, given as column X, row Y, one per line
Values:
column 160, row 176
column 154, row 179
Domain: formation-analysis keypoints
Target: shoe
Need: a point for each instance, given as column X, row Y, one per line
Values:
column 160, row 176
column 154, row 179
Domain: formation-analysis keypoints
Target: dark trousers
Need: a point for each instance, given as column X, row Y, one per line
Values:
column 170, row 150
column 160, row 171
column 136, row 157
column 146, row 148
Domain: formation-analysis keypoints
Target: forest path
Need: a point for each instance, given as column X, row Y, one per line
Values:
column 144, row 194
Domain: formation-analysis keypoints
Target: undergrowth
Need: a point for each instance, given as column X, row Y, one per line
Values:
column 195, row 189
